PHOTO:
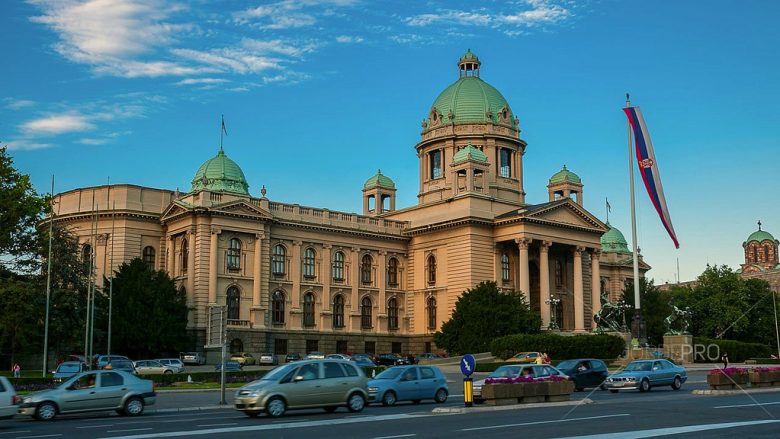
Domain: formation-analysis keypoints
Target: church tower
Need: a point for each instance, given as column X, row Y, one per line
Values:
column 760, row 251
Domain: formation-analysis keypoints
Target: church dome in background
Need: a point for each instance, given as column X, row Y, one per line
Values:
column 613, row 241
column 220, row 174
column 760, row 235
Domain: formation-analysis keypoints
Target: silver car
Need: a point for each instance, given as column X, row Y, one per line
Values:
column 8, row 399
column 148, row 367
column 327, row 384
column 92, row 391
column 173, row 363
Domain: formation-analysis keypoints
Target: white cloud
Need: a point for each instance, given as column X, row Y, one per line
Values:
column 287, row 14
column 92, row 141
column 195, row 81
column 451, row 17
column 278, row 47
column 58, row 124
column 230, row 60
column 348, row 39
column 536, row 12
column 17, row 104
column 151, row 69
column 26, row 145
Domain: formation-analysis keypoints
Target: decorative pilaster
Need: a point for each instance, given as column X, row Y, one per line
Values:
column 524, row 277
column 327, row 258
column 579, row 305
column 381, row 279
column 354, row 304
column 295, row 274
column 191, row 262
column 595, row 278
column 544, row 282
column 213, row 250
column 256, row 269
column 171, row 250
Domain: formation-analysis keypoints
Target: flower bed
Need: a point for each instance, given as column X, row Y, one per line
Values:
column 518, row 390
column 728, row 378
column 764, row 376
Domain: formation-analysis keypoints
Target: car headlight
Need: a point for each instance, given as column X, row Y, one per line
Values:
column 632, row 378
column 373, row 389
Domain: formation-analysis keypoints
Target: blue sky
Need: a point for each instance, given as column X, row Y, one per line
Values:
column 134, row 90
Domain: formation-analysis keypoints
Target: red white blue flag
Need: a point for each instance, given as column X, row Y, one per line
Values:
column 648, row 168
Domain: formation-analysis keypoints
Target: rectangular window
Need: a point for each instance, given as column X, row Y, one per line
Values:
column 370, row 347
column 506, row 162
column 435, row 161
column 341, row 346
column 280, row 346
column 396, row 347
column 312, row 346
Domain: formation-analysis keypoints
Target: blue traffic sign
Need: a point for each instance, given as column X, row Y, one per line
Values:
column 468, row 364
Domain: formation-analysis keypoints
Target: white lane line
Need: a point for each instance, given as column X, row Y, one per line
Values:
column 15, row 432
column 554, row 421
column 396, row 436
column 672, row 430
column 40, row 435
column 745, row 405
column 287, row 422
column 97, row 426
column 217, row 425
column 129, row 430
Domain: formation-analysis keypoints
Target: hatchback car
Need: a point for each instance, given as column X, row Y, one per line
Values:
column 328, row 384
column 243, row 358
column 643, row 375
column 315, row 356
column 193, row 358
column 174, row 363
column 337, row 357
column 102, row 360
column 408, row 383
column 524, row 357
column 426, row 356
column 8, row 399
column 268, row 358
column 67, row 369
column 535, row 371
column 149, row 367
column 92, row 391
column 585, row 372
column 292, row 356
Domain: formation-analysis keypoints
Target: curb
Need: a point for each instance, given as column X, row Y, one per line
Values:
column 736, row 391
column 191, row 409
column 448, row 410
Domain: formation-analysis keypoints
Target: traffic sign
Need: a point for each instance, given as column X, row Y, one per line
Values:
column 468, row 364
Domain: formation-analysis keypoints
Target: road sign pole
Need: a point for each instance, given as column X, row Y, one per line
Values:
column 468, row 391
column 468, row 364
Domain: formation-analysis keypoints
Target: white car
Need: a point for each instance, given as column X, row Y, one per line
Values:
column 268, row 358
column 173, row 363
column 148, row 367
column 9, row 402
column 315, row 356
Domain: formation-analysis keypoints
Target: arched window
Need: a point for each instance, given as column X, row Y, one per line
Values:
column 505, row 267
column 365, row 313
column 86, row 257
column 506, row 162
column 392, row 313
column 278, row 259
column 365, row 270
column 233, row 303
column 338, row 311
column 185, row 255
column 236, row 346
column 392, row 272
column 308, row 263
column 234, row 254
column 558, row 273
column 338, row 266
column 431, row 269
column 277, row 307
column 308, row 310
column 755, row 254
column 430, row 311
column 148, row 257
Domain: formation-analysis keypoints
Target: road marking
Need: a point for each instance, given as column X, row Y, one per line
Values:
column 554, row 421
column 97, row 426
column 396, row 436
column 40, row 435
column 671, row 430
column 15, row 432
column 217, row 425
column 262, row 427
column 128, row 430
column 745, row 405
column 284, row 422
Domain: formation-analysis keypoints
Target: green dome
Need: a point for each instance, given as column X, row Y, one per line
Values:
column 613, row 241
column 565, row 176
column 379, row 180
column 469, row 152
column 220, row 174
column 471, row 100
column 760, row 235
column 469, row 56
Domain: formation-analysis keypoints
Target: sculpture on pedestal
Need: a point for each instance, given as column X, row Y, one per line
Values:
column 678, row 321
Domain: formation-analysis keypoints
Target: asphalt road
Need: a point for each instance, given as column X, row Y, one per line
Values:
column 659, row 413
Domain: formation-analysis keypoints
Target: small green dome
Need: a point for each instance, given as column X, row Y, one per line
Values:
column 565, row 176
column 469, row 152
column 760, row 235
column 379, row 180
column 469, row 56
column 220, row 174
column 613, row 241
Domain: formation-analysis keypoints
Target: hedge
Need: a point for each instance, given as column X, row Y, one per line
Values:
column 560, row 347
column 738, row 351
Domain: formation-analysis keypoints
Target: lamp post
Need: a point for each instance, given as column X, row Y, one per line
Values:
column 553, row 302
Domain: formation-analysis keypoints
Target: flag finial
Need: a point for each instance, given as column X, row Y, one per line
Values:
column 628, row 100
column 759, row 225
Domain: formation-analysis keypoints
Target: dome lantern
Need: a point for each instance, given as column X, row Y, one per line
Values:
column 468, row 65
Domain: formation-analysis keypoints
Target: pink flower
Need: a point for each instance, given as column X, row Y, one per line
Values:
column 729, row 371
column 766, row 369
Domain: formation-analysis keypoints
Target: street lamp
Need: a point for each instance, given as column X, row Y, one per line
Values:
column 623, row 306
column 553, row 301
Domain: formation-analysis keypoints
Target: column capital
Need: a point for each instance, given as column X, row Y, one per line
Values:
column 297, row 243
column 259, row 236
column 327, row 246
column 578, row 250
column 216, row 230
column 382, row 252
column 545, row 246
column 355, row 249
column 595, row 253
column 191, row 230
column 523, row 243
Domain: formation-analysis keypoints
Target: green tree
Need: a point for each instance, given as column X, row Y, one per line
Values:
column 483, row 313
column 719, row 302
column 150, row 315
column 655, row 308
column 21, row 314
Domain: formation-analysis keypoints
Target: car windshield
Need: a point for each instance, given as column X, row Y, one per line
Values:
column 638, row 367
column 390, row 374
column 68, row 368
column 278, row 373
column 505, row 372
column 568, row 364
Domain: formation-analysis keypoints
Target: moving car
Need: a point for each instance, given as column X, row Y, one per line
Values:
column 268, row 359
column 124, row 365
column 536, row 371
column 327, row 384
column 230, row 366
column 92, row 391
column 643, row 375
column 148, row 367
column 585, row 372
column 362, row 360
column 390, row 360
column 292, row 356
column 193, row 358
column 524, row 357
column 243, row 358
column 102, row 360
column 315, row 356
column 174, row 363
column 67, row 369
column 8, row 399
column 408, row 383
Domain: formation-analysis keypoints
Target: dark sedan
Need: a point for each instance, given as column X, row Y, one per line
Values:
column 390, row 360
column 585, row 372
column 230, row 366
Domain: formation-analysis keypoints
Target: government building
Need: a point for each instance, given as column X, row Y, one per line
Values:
column 294, row 278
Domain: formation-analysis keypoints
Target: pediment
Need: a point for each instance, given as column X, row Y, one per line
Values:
column 241, row 208
column 565, row 212
column 175, row 209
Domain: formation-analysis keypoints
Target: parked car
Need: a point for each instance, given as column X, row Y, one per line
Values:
column 230, row 366
column 328, row 384
column 193, row 358
column 102, row 360
column 243, row 358
column 337, row 357
column 174, row 363
column 426, row 356
column 148, row 367
column 292, row 356
column 92, row 391
column 124, row 365
column 390, row 360
column 524, row 357
column 536, row 371
column 315, row 356
column 268, row 359
column 67, row 369
column 8, row 399
column 408, row 383
column 363, row 361
column 643, row 375
column 585, row 372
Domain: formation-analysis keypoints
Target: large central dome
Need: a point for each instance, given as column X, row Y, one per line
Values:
column 220, row 174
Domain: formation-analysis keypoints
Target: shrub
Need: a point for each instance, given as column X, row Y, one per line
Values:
column 738, row 351
column 559, row 346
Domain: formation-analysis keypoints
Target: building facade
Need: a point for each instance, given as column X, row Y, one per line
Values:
column 302, row 279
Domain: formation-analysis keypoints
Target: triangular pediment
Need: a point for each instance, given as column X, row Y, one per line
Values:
column 241, row 208
column 561, row 212
column 175, row 209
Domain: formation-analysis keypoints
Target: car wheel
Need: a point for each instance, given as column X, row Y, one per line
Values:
column 276, row 407
column 441, row 396
column 356, row 402
column 613, row 390
column 134, row 406
column 388, row 398
column 46, row 411
column 644, row 385
column 677, row 383
column 168, row 371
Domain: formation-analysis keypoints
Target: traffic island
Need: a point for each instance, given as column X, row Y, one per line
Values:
column 497, row 394
column 764, row 377
column 729, row 378
column 490, row 408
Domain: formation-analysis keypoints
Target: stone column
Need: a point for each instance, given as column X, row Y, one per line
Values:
column 295, row 274
column 595, row 293
column 170, row 249
column 354, row 305
column 256, row 269
column 544, row 282
column 524, row 277
column 327, row 257
column 381, row 277
column 579, row 306
column 213, row 250
column 191, row 262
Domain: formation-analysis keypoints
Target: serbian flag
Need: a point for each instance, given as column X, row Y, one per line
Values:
column 648, row 168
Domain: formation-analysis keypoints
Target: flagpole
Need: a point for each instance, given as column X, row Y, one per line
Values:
column 111, row 281
column 638, row 321
column 48, row 288
column 89, row 282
